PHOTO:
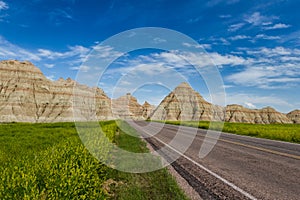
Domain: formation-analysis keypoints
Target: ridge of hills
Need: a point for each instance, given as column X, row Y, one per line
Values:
column 26, row 95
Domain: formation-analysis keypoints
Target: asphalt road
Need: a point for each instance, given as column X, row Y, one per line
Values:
column 238, row 167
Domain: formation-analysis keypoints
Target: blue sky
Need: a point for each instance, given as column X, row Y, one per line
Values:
column 255, row 44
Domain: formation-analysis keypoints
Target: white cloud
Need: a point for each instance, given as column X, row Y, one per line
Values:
column 51, row 77
column 59, row 16
column 256, row 19
column 73, row 51
column 239, row 37
column 256, row 101
column 219, row 41
column 212, row 3
column 12, row 51
column 168, row 68
column 269, row 68
column 267, row 37
column 225, row 16
column 49, row 66
column 82, row 68
column 105, row 52
column 250, row 105
column 267, row 23
column 235, row 27
column 3, row 5
column 75, row 55
column 205, row 46
column 277, row 26
column 194, row 20
column 158, row 40
column 267, row 77
column 272, row 52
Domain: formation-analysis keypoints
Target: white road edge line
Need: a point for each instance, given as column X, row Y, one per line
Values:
column 210, row 172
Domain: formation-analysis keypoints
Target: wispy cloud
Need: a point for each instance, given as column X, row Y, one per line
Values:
column 59, row 17
column 239, row 37
column 9, row 50
column 194, row 20
column 158, row 40
column 212, row 3
column 73, row 56
column 269, row 68
column 225, row 16
column 49, row 66
column 256, row 19
column 277, row 26
column 250, row 105
column 235, row 27
column 3, row 5
column 51, row 77
column 73, row 51
column 256, row 101
column 267, row 37
column 219, row 41
column 205, row 46
column 82, row 68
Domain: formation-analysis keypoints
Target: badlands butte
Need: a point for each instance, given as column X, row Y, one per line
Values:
column 26, row 95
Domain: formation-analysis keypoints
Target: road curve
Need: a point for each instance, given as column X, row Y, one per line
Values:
column 238, row 167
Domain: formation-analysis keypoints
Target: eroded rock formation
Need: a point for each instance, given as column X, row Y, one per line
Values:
column 127, row 107
column 294, row 116
column 186, row 104
column 147, row 110
column 238, row 113
column 26, row 95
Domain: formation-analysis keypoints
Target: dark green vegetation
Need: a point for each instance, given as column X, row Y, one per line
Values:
column 48, row 161
column 283, row 132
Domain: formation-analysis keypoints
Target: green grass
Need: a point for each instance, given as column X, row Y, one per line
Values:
column 48, row 161
column 282, row 132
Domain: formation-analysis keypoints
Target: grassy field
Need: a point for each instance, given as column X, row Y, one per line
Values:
column 283, row 132
column 48, row 161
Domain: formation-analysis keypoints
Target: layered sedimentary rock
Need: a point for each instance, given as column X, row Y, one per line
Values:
column 294, row 116
column 238, row 113
column 186, row 104
column 26, row 95
column 127, row 107
column 147, row 110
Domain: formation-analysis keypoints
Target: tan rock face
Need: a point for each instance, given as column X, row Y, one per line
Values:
column 127, row 107
column 26, row 95
column 294, row 116
column 147, row 110
column 187, row 105
column 238, row 113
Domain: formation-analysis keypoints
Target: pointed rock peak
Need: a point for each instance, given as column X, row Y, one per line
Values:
column 295, row 111
column 184, row 85
column 61, row 79
column 128, row 94
column 269, row 109
column 146, row 103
